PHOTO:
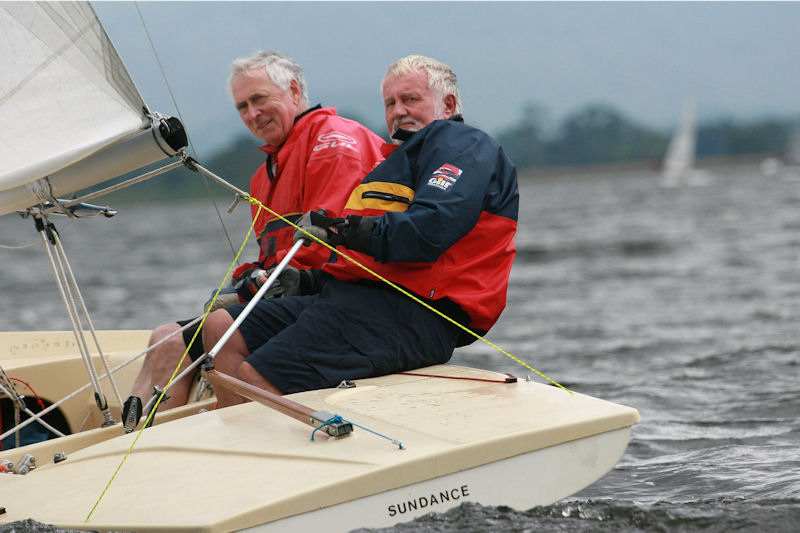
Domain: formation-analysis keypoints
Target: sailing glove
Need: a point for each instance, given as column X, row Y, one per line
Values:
column 317, row 223
column 227, row 296
column 244, row 271
column 353, row 232
column 290, row 282
column 286, row 284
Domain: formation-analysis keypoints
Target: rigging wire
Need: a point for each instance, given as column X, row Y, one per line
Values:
column 180, row 115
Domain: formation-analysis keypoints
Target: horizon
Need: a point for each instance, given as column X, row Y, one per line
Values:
column 737, row 60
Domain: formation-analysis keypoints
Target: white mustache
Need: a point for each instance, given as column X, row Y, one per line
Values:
column 404, row 123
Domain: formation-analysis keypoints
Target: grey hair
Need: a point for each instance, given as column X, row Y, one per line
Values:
column 441, row 77
column 280, row 68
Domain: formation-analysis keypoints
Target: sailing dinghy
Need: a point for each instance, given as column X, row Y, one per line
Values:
column 369, row 453
column 679, row 160
column 466, row 435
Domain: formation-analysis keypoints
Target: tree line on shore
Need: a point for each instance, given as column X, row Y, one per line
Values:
column 594, row 134
column 598, row 133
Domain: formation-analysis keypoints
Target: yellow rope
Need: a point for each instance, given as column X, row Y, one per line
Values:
column 175, row 373
column 405, row 292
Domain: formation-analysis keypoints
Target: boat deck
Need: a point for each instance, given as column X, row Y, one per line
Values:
column 248, row 465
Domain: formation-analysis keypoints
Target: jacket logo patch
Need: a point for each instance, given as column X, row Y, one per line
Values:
column 445, row 176
column 333, row 139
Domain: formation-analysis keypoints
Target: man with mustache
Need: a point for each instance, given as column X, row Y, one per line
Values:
column 437, row 218
column 313, row 159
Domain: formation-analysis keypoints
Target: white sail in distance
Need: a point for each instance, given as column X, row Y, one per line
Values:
column 679, row 159
column 65, row 97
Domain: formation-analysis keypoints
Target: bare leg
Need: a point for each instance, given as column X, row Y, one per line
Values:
column 230, row 359
column 158, row 366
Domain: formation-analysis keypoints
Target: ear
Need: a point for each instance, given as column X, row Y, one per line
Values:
column 294, row 89
column 449, row 105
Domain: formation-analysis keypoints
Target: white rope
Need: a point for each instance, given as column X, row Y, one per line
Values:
column 72, row 313
column 92, row 330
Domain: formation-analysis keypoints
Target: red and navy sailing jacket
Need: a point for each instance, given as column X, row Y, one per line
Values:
column 447, row 202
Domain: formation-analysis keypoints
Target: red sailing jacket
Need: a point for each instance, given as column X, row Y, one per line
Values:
column 447, row 202
column 324, row 157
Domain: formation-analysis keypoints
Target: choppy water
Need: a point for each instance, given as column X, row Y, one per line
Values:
column 683, row 303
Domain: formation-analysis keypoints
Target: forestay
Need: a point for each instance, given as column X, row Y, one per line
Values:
column 65, row 97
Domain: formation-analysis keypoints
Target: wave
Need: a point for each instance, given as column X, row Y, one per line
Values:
column 586, row 249
column 618, row 516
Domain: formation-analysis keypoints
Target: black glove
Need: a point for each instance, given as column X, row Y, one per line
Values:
column 290, row 282
column 244, row 271
column 354, row 232
column 320, row 225
column 248, row 283
column 286, row 284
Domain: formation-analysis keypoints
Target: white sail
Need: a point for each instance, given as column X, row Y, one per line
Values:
column 65, row 95
column 679, row 159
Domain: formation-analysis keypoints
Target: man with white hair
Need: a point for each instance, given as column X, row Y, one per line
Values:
column 314, row 158
column 437, row 218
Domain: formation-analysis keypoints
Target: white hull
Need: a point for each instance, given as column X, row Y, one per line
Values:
column 250, row 467
column 542, row 477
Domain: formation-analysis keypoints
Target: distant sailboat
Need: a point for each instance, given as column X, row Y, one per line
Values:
column 679, row 161
column 786, row 168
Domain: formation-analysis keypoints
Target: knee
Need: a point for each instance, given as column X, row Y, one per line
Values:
column 246, row 372
column 162, row 332
column 215, row 326
column 168, row 345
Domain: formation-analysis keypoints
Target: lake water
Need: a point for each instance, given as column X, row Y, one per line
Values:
column 681, row 302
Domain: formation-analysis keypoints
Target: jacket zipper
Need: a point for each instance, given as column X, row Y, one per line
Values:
column 389, row 197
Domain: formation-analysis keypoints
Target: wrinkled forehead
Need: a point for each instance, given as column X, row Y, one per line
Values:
column 413, row 81
column 255, row 80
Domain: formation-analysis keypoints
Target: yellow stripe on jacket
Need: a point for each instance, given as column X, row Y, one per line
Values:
column 380, row 195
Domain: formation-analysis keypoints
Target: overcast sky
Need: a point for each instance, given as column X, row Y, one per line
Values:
column 735, row 59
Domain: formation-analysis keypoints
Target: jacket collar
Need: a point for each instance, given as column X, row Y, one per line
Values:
column 270, row 149
column 404, row 135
